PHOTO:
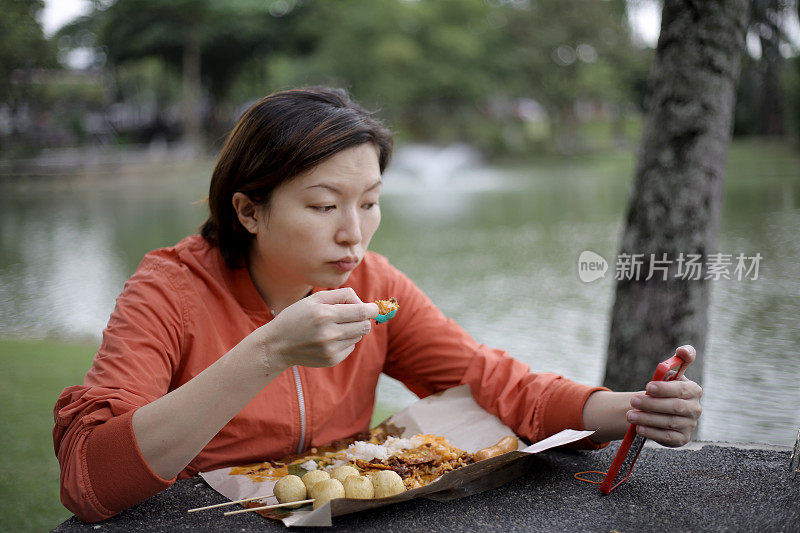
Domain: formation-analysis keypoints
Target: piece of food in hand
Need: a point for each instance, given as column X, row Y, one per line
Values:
column 506, row 444
column 290, row 489
column 387, row 483
column 343, row 472
column 312, row 478
column 359, row 487
column 327, row 490
column 386, row 309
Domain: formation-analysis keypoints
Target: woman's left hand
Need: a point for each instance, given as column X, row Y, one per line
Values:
column 668, row 413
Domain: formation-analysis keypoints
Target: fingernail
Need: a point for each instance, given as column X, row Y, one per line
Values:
column 633, row 416
column 652, row 387
column 636, row 401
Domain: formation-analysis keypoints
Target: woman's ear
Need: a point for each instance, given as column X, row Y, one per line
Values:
column 246, row 211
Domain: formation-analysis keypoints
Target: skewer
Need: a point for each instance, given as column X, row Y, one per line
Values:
column 268, row 507
column 228, row 503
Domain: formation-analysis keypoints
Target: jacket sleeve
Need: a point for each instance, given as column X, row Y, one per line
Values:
column 102, row 470
column 429, row 353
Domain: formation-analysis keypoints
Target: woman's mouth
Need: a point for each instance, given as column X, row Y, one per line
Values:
column 345, row 265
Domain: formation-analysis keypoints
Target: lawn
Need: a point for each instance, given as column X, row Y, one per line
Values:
column 34, row 373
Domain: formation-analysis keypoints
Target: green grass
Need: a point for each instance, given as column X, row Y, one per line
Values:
column 33, row 375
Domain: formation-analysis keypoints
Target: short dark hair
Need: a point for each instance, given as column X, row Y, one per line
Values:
column 279, row 137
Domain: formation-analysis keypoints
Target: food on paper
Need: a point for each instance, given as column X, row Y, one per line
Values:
column 379, row 466
column 387, row 483
column 290, row 489
column 386, row 309
column 507, row 444
column 418, row 460
column 312, row 478
column 430, row 416
column 358, row 487
column 326, row 490
column 343, row 472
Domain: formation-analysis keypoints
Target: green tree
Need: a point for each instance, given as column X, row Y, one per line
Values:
column 447, row 70
column 24, row 49
column 557, row 51
column 24, row 45
column 207, row 41
column 766, row 23
column 422, row 63
column 440, row 70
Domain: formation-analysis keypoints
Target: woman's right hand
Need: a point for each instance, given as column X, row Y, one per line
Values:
column 318, row 331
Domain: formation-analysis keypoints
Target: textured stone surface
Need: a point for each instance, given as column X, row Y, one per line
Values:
column 712, row 489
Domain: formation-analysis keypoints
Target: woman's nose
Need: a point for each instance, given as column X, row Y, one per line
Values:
column 349, row 230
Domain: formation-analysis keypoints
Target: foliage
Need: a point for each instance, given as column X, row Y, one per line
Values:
column 505, row 75
column 793, row 97
column 419, row 61
column 761, row 98
column 455, row 69
column 24, row 51
column 587, row 55
column 441, row 70
column 230, row 33
column 24, row 45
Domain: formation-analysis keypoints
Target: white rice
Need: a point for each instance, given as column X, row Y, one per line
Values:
column 367, row 451
column 309, row 465
column 336, row 464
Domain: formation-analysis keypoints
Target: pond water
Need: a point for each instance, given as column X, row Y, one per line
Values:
column 495, row 248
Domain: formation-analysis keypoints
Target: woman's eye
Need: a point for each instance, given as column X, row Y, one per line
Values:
column 370, row 205
column 323, row 208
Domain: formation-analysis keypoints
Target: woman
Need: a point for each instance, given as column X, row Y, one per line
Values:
column 252, row 340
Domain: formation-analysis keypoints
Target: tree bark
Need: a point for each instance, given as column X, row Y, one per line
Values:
column 677, row 192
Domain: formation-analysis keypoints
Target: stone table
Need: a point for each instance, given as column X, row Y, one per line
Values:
column 702, row 487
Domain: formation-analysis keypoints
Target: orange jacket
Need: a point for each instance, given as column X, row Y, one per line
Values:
column 183, row 309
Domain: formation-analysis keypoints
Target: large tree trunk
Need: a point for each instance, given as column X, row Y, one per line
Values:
column 677, row 192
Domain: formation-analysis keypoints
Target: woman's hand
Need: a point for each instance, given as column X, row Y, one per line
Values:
column 318, row 331
column 668, row 413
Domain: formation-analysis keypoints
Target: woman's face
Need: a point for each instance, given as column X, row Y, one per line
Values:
column 317, row 226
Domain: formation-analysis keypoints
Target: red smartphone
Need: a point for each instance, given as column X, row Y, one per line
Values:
column 669, row 370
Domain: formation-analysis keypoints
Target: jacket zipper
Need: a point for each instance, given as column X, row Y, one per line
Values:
column 300, row 399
